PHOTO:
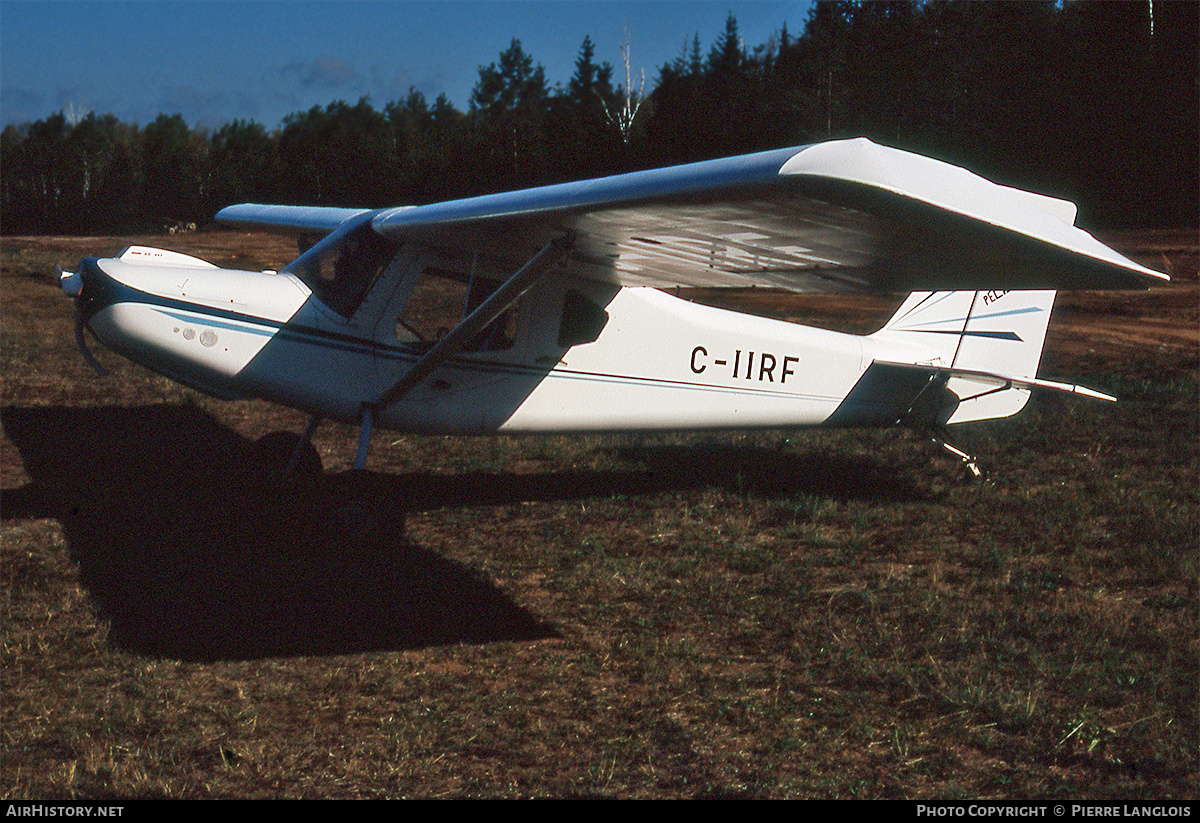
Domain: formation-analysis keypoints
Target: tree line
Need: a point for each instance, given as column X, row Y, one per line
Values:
column 1091, row 100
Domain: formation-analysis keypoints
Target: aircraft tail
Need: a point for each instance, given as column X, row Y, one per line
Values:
column 984, row 345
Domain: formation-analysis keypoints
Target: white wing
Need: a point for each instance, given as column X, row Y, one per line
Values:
column 288, row 219
column 846, row 214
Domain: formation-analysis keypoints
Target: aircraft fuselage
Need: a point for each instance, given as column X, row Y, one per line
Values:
column 579, row 355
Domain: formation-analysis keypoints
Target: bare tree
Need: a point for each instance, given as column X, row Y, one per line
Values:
column 622, row 119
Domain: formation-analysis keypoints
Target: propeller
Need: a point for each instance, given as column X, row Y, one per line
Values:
column 71, row 282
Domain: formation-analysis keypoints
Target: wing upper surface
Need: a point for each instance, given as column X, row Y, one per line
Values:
column 288, row 219
column 846, row 214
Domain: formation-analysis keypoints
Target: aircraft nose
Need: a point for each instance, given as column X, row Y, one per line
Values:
column 88, row 286
column 70, row 281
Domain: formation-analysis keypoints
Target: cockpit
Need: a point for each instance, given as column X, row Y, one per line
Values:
column 341, row 268
column 428, row 299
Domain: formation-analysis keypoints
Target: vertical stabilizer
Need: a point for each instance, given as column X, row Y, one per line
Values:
column 998, row 332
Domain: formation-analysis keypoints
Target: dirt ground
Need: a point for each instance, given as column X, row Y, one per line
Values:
column 766, row 614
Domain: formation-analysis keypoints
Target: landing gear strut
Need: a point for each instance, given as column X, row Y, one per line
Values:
column 364, row 437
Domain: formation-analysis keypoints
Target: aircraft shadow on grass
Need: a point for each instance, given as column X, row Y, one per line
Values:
column 191, row 552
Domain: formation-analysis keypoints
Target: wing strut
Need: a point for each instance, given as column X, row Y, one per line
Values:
column 495, row 305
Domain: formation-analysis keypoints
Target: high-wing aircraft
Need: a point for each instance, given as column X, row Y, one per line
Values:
column 543, row 310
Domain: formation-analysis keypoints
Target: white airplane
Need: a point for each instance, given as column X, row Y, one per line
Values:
column 543, row 311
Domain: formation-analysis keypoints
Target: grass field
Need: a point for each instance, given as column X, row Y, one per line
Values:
column 768, row 614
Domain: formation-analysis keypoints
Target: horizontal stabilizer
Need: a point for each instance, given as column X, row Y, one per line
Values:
column 929, row 397
column 998, row 382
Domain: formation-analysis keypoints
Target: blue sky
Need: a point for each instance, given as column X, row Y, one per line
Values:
column 217, row 60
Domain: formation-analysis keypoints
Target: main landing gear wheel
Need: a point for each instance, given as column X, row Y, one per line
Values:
column 287, row 456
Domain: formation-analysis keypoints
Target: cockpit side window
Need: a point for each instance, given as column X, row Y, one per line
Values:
column 340, row 273
column 501, row 332
column 434, row 306
column 437, row 303
column 582, row 320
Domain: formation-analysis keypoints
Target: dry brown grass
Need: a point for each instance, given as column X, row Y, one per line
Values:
column 769, row 614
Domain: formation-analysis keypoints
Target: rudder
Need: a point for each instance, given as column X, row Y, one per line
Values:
column 998, row 332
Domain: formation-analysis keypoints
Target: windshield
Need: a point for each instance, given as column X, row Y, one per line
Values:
column 342, row 268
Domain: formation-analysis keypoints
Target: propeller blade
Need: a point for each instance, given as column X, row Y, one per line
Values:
column 71, row 282
column 82, row 343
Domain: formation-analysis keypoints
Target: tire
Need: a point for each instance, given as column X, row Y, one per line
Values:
column 274, row 451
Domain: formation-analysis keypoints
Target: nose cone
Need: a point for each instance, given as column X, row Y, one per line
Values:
column 88, row 286
column 71, row 282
